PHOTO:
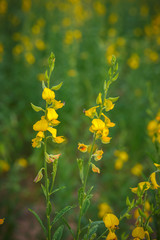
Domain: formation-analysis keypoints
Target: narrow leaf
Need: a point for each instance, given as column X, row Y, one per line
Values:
column 58, row 233
column 85, row 206
column 36, row 108
column 57, row 189
column 115, row 77
column 39, row 220
column 57, row 87
column 61, row 213
column 44, row 190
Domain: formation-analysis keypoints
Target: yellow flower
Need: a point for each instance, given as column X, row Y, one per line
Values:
column 104, row 208
column 113, row 18
column 36, row 142
column 22, row 162
column 99, row 99
column 152, row 127
column 51, row 114
column 153, row 181
column 111, row 236
column 4, row 166
column 137, row 169
column 157, row 166
column 108, row 104
column 138, row 232
column 29, row 58
column 53, row 131
column 48, row 95
column 110, row 221
column 54, row 122
column 100, row 8
column 105, row 139
column 108, row 121
column 91, row 112
column 97, row 124
column 82, row 147
column 142, row 185
column 41, row 125
column 98, row 155
column 57, row 104
column 59, row 139
column 1, row 220
column 50, row 158
column 95, row 169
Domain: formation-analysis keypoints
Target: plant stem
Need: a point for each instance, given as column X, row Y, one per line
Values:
column 84, row 187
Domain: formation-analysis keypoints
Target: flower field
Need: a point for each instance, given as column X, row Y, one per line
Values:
column 80, row 119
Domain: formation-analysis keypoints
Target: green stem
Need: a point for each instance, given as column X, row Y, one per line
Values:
column 84, row 187
column 102, row 234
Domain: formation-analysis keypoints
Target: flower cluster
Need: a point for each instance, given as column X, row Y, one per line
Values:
column 100, row 121
column 154, row 128
column 49, row 120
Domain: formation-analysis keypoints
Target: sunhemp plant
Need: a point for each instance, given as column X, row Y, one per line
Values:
column 100, row 130
column 46, row 130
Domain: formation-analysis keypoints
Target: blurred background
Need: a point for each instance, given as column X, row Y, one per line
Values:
column 83, row 34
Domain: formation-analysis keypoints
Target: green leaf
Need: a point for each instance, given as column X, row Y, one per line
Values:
column 113, row 99
column 44, row 190
column 80, row 196
column 57, row 87
column 58, row 233
column 92, row 224
column 149, row 229
column 46, row 75
column 115, row 77
column 57, row 189
column 128, row 203
column 39, row 220
column 85, row 206
column 61, row 213
column 36, row 108
column 93, row 236
column 93, row 230
column 89, row 191
column 68, row 226
column 142, row 214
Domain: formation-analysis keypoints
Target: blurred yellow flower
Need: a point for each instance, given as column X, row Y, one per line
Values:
column 40, row 45
column 18, row 49
column 72, row 73
column 113, row 18
column 122, row 155
column 133, row 61
column 4, row 166
column 82, row 147
column 144, row 10
column 100, row 8
column 22, row 162
column 137, row 169
column 29, row 58
column 112, row 32
column 3, row 6
column 118, row 164
column 111, row 221
column 26, row 5
column 41, row 77
column 104, row 208
column 66, row 22
column 2, row 220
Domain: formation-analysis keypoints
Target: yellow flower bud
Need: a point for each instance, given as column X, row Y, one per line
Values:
column 108, row 105
column 95, row 169
column 153, row 181
column 99, row 99
column 59, row 139
column 138, row 232
column 91, row 112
